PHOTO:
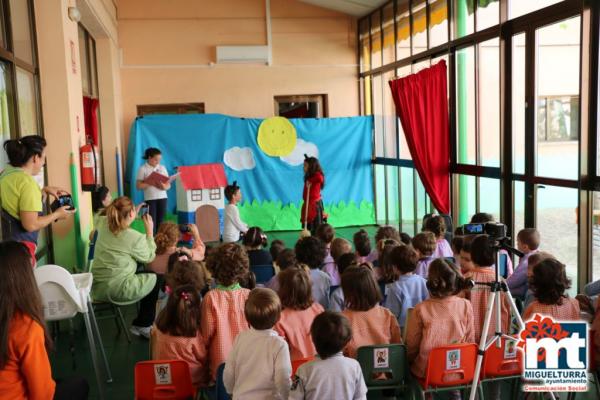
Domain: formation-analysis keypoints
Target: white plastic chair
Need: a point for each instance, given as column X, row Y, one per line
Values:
column 63, row 296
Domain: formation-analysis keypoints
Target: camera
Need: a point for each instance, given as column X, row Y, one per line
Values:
column 184, row 228
column 495, row 230
column 63, row 200
column 144, row 209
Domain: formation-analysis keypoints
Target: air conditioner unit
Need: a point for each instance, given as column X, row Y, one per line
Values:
column 242, row 54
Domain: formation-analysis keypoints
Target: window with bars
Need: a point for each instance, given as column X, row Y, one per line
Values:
column 197, row 195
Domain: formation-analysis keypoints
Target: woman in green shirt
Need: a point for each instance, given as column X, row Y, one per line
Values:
column 118, row 251
column 20, row 195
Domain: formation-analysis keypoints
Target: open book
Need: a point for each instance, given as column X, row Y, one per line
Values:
column 155, row 179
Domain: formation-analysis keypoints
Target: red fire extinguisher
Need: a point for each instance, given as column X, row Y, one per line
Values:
column 89, row 167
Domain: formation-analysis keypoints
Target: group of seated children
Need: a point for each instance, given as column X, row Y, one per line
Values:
column 326, row 300
column 294, row 317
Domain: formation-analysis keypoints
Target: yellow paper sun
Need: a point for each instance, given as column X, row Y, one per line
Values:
column 276, row 136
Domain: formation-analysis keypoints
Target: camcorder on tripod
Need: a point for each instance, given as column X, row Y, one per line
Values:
column 498, row 233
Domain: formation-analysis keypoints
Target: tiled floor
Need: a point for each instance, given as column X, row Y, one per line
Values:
column 122, row 355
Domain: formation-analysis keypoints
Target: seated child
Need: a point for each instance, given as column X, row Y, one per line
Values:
column 425, row 244
column 233, row 226
column 405, row 238
column 166, row 240
column 298, row 313
column 371, row 324
column 528, row 241
column 457, row 243
column 466, row 264
column 258, row 366
column 383, row 273
column 441, row 320
column 326, row 234
column 482, row 218
column 254, row 241
column 223, row 307
column 436, row 225
column 330, row 375
column 277, row 246
column 311, row 252
column 285, row 259
column 362, row 244
column 549, row 283
column 408, row 289
column 387, row 232
column 336, row 298
column 176, row 334
column 339, row 246
column 182, row 271
column 483, row 257
column 533, row 260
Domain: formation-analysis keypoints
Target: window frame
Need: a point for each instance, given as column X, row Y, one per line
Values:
column 170, row 108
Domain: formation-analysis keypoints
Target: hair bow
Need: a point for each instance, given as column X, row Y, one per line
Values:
column 185, row 296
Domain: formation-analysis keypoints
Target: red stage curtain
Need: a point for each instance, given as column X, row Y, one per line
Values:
column 90, row 117
column 422, row 106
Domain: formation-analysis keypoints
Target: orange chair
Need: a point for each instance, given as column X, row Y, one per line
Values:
column 299, row 362
column 503, row 364
column 449, row 368
column 163, row 379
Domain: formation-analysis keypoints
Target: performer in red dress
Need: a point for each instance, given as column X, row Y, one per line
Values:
column 314, row 181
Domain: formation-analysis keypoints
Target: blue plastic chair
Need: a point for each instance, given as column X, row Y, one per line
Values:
column 263, row 273
column 220, row 392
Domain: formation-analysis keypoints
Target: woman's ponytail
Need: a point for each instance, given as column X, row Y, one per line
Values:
column 117, row 213
column 19, row 151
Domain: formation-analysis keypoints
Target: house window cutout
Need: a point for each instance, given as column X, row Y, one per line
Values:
column 215, row 194
column 197, row 195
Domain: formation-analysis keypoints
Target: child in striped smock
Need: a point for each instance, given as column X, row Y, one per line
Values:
column 549, row 283
column 223, row 307
column 441, row 320
column 299, row 311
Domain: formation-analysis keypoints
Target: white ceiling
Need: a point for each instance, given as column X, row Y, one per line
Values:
column 358, row 8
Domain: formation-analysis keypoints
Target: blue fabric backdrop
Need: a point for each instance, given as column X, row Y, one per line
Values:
column 344, row 146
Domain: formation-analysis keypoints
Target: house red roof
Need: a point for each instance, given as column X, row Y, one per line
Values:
column 203, row 176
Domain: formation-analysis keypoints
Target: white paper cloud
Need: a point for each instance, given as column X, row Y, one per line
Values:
column 239, row 158
column 302, row 148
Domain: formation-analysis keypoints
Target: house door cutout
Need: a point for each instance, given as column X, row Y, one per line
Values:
column 207, row 221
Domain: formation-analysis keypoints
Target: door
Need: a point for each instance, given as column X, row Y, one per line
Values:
column 207, row 221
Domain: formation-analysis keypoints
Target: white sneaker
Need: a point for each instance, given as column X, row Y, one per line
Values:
column 143, row 331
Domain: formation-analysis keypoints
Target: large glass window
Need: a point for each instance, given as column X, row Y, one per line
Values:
column 489, row 103
column 516, row 8
column 556, row 220
column 5, row 112
column 21, row 30
column 465, row 106
column 489, row 197
column 419, row 26
column 557, row 100
column 27, row 106
column 389, row 46
column 402, row 29
column 376, row 44
column 438, row 22
column 488, row 13
column 464, row 22
column 518, row 103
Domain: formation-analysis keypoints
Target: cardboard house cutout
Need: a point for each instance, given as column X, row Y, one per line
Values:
column 201, row 198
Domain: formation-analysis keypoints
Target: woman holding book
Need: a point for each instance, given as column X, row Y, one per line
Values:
column 155, row 189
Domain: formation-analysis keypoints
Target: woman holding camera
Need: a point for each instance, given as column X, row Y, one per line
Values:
column 168, row 236
column 119, row 250
column 20, row 194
